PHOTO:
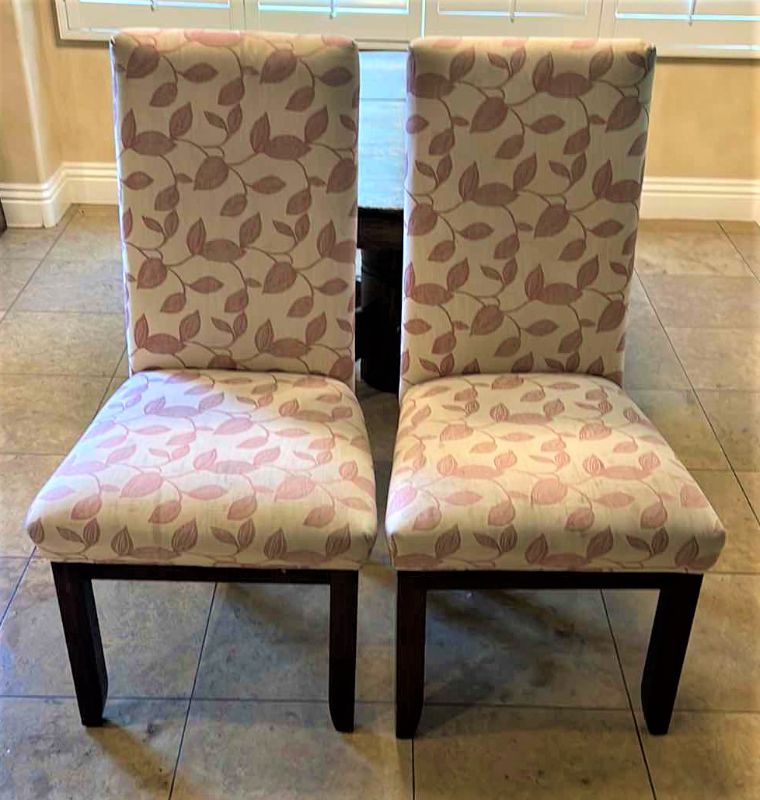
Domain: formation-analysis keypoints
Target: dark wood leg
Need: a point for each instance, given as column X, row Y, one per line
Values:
column 344, row 592
column 411, row 600
column 667, row 649
column 80, row 627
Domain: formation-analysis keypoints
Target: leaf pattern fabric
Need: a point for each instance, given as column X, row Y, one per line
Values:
column 236, row 158
column 538, row 472
column 216, row 468
column 525, row 162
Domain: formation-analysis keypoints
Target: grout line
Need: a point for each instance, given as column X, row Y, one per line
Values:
column 39, row 264
column 108, row 385
column 414, row 772
column 628, row 695
column 738, row 251
column 12, row 597
column 192, row 692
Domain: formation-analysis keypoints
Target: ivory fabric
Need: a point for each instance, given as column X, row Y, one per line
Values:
column 236, row 158
column 525, row 162
column 215, row 468
column 539, row 472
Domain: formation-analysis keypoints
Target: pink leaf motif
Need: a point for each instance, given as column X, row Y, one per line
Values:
column 278, row 66
column 319, row 516
column 691, row 496
column 401, row 498
column 489, row 115
column 654, row 516
column 142, row 61
column 243, row 507
column 142, row 485
column 463, row 498
column 501, row 514
column 553, row 220
column 579, row 520
column 87, row 507
column 280, row 277
column 537, row 550
column 294, row 487
column 165, row 512
column 342, row 176
column 185, row 537
column 448, row 543
column 427, row 520
column 548, row 491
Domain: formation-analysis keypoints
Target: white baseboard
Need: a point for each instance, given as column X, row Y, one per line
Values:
column 29, row 205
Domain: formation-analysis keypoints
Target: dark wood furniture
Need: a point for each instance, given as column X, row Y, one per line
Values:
column 73, row 583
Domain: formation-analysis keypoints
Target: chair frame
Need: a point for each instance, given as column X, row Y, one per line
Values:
column 676, row 606
column 73, row 584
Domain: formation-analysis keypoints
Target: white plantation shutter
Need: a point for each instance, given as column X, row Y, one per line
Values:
column 574, row 18
column 365, row 20
column 97, row 19
column 691, row 27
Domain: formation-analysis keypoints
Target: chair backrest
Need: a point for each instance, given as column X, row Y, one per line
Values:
column 237, row 164
column 525, row 162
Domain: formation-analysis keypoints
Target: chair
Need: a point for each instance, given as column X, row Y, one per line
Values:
column 519, row 461
column 236, row 451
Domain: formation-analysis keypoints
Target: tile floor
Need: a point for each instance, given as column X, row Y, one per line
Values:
column 219, row 692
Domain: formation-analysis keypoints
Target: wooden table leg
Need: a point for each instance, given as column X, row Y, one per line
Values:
column 380, row 319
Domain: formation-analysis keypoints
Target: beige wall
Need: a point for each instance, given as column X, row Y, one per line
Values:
column 705, row 118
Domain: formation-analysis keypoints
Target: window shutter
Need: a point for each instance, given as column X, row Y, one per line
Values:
column 365, row 20
column 573, row 18
column 97, row 19
column 692, row 27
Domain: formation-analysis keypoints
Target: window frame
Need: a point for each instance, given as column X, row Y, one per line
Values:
column 699, row 40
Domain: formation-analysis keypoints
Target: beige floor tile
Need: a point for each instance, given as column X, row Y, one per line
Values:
column 84, row 285
column 736, row 419
column 742, row 550
column 10, row 572
column 115, row 383
column 290, row 750
column 123, row 368
column 152, row 635
column 650, row 362
column 750, row 482
column 92, row 235
column 682, row 422
column 521, row 648
column 42, row 343
column 29, row 242
column 46, row 415
column 381, row 415
column 719, row 358
column 706, row 756
column 723, row 660
column 688, row 247
column 270, row 641
column 46, row 753
column 745, row 236
column 713, row 302
column 21, row 477
column 14, row 273
column 528, row 754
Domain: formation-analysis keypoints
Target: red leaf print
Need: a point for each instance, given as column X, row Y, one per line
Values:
column 600, row 544
column 600, row 63
column 231, row 93
column 607, row 228
column 448, row 543
column 463, row 498
column 687, row 553
column 165, row 512
column 152, row 273
column 152, row 143
column 181, row 121
column 286, row 148
column 569, row 84
column 430, row 294
column 615, row 500
column 511, row 146
column 336, row 76
column 128, row 129
column 534, row 283
column 548, row 491
column 577, row 142
column 625, row 113
column 288, row 348
column 612, row 316
column 199, row 73
column 416, row 123
column 342, row 176
column 422, row 220
column 196, row 240
column 212, row 173
column 487, row 320
column 163, row 343
column 87, row 507
column 654, row 516
column 142, row 485
column 692, row 497
column 122, row 543
column 558, row 294
column 301, row 99
column 142, row 61
column 206, row 285
column 489, row 115
column 243, row 507
column 553, row 220
column 138, row 180
column 209, row 492
column 233, row 206
column 537, row 550
column 316, row 329
column 502, row 513
column 543, row 72
column 524, row 172
column 185, row 537
column 233, row 425
column 547, row 124
column 190, row 326
column 588, row 273
column 476, row 230
column 623, row 192
column 236, row 302
column 320, row 516
column 316, row 125
column 461, row 64
column 579, row 520
column 401, row 498
column 280, row 278
column 205, row 460
column 278, row 66
column 469, row 181
column 276, row 546
column 294, row 487
column 431, row 85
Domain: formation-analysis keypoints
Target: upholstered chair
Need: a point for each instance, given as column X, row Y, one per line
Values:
column 519, row 461
column 236, row 451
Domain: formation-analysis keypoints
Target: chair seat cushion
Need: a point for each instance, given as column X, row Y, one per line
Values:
column 216, row 468
column 539, row 471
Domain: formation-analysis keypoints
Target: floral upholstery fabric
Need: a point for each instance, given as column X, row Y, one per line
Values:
column 540, row 472
column 216, row 468
column 523, row 181
column 237, row 164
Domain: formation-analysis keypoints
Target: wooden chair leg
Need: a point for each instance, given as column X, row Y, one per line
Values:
column 344, row 592
column 667, row 649
column 82, row 632
column 411, row 599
